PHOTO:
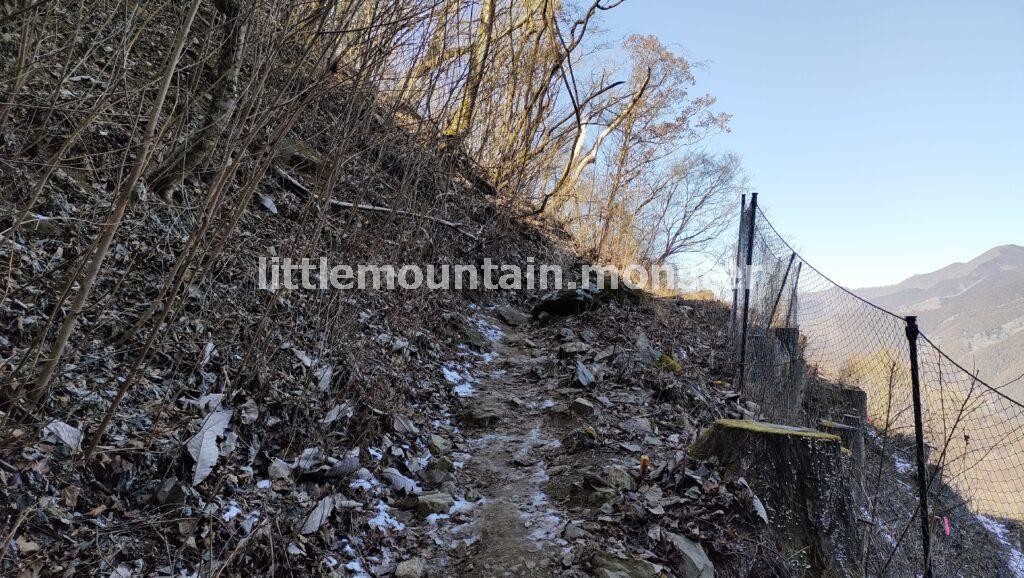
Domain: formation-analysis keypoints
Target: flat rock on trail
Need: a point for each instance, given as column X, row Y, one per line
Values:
column 515, row 530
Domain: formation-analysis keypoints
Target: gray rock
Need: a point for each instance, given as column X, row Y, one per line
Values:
column 644, row 352
column 604, row 496
column 580, row 406
column 567, row 302
column 617, row 477
column 573, row 347
column 441, row 463
column 404, row 425
column 476, row 338
column 479, row 417
column 637, row 425
column 560, row 411
column 512, row 316
column 574, row 532
column 607, row 566
column 170, row 493
column 434, row 503
column 439, row 445
column 411, row 568
column 694, row 562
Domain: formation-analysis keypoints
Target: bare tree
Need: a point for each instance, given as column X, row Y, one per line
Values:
column 638, row 196
column 695, row 206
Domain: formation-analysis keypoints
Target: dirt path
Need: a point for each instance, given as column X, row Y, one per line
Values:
column 515, row 529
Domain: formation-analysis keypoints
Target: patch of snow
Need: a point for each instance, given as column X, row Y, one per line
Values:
column 464, row 390
column 263, row 484
column 546, row 526
column 462, row 529
column 383, row 520
column 356, row 568
column 490, row 331
column 361, row 484
column 432, row 519
column 233, row 510
column 250, row 521
column 539, row 476
column 459, row 459
column 1016, row 560
column 995, row 528
column 903, row 466
column 462, row 506
column 458, row 375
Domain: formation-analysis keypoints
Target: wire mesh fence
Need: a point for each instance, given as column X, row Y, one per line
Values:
column 810, row 352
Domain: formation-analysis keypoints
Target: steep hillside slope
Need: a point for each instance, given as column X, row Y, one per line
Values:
column 974, row 311
column 198, row 424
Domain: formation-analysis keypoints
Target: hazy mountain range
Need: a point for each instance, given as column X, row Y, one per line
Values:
column 974, row 311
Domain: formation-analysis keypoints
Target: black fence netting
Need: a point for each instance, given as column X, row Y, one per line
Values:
column 811, row 353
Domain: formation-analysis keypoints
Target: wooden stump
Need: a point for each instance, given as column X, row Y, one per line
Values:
column 799, row 476
column 852, row 439
column 842, row 411
column 838, row 403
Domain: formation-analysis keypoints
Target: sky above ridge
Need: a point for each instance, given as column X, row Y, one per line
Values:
column 885, row 138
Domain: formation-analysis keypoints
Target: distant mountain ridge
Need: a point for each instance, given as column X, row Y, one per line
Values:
column 974, row 311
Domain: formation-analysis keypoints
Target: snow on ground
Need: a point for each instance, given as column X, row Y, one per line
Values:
column 458, row 375
column 1015, row 561
column 489, row 330
column 384, row 521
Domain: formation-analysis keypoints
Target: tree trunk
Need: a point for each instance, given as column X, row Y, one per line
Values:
column 463, row 120
column 185, row 158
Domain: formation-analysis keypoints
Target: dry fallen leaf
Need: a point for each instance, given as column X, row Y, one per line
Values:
column 70, row 435
column 320, row 514
column 250, row 411
column 69, row 496
column 280, row 469
column 399, row 482
column 27, row 546
column 203, row 446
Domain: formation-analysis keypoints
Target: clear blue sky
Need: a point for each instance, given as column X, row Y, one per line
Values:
column 885, row 138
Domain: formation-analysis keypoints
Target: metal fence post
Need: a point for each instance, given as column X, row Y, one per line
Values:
column 736, row 275
column 922, row 474
column 746, row 290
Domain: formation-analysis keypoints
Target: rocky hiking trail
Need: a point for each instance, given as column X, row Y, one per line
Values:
column 556, row 418
column 514, row 528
